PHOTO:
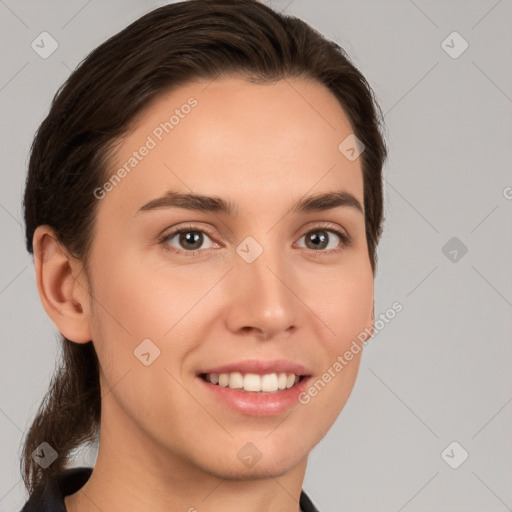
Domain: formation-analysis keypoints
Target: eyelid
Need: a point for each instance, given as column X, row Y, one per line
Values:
column 345, row 238
column 167, row 235
column 341, row 233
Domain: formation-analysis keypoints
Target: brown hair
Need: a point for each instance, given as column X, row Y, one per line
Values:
column 168, row 47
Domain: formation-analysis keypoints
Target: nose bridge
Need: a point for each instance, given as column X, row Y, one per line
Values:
column 263, row 299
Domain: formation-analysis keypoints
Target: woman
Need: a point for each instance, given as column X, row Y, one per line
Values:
column 204, row 203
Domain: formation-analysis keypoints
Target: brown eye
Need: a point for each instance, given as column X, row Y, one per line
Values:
column 325, row 240
column 188, row 240
column 317, row 239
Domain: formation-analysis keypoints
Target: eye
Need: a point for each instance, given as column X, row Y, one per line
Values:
column 321, row 239
column 189, row 240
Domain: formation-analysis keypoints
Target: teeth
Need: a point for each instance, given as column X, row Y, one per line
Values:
column 224, row 380
column 236, row 380
column 252, row 382
column 267, row 383
column 282, row 380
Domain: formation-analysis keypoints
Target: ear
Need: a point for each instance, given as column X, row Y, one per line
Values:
column 62, row 286
column 371, row 327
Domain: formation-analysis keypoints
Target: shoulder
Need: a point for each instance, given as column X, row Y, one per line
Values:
column 50, row 498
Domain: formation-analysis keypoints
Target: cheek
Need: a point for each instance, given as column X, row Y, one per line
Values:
column 135, row 300
column 138, row 301
column 134, row 303
column 326, row 397
column 345, row 304
column 124, row 311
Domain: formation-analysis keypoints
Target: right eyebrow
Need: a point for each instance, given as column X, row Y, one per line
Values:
column 190, row 202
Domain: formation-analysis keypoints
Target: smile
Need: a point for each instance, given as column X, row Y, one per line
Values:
column 253, row 382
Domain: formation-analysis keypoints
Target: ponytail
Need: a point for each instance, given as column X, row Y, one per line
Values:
column 68, row 415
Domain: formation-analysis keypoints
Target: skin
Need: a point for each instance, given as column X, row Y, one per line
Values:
column 262, row 147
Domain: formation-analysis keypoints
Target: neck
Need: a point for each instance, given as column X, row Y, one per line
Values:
column 134, row 472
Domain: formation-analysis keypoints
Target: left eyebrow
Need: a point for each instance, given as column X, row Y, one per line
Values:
column 326, row 201
column 318, row 202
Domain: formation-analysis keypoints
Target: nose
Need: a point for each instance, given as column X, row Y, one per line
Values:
column 263, row 298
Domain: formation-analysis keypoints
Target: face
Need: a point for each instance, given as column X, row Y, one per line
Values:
column 257, row 281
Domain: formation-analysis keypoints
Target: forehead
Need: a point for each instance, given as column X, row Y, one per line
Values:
column 253, row 144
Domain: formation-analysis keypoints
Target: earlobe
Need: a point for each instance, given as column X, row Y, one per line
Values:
column 62, row 286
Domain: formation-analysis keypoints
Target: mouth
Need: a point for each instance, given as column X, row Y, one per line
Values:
column 255, row 383
column 252, row 387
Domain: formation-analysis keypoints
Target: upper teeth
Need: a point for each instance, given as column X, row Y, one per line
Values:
column 252, row 381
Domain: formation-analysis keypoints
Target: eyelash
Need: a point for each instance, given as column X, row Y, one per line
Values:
column 346, row 240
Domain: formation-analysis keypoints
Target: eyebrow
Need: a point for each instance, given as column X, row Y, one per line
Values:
column 318, row 202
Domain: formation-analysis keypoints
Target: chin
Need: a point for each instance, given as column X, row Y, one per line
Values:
column 260, row 471
column 245, row 461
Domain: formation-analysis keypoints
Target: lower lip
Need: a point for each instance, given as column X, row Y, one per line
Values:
column 257, row 404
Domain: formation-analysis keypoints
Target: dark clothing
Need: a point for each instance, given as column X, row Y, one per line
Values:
column 71, row 480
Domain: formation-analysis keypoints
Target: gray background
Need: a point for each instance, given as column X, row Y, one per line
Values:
column 440, row 371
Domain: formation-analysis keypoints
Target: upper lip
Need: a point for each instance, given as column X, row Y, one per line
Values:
column 260, row 367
